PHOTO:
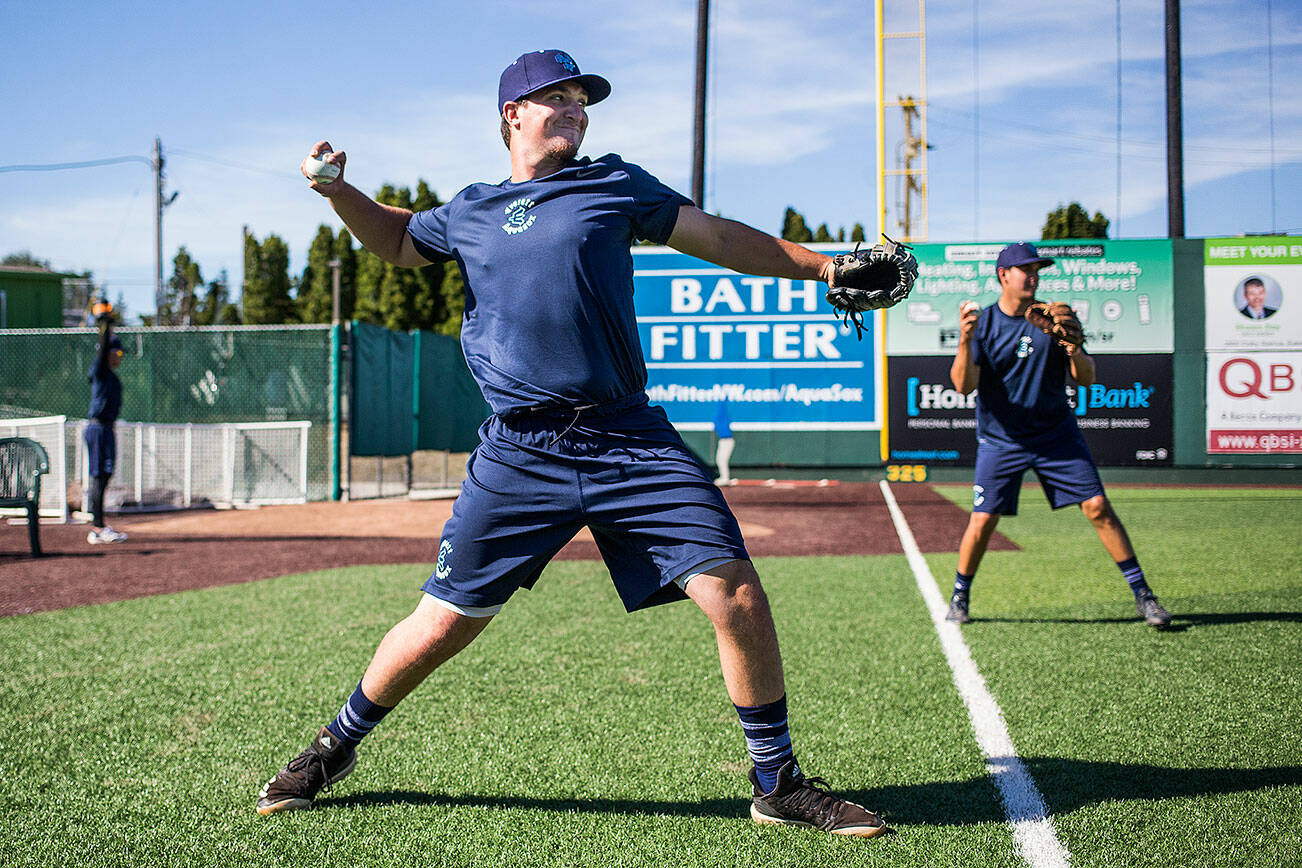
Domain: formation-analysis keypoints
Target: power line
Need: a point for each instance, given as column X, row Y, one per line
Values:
column 208, row 158
column 88, row 164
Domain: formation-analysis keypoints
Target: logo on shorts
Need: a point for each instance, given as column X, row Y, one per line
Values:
column 1024, row 346
column 518, row 217
column 445, row 560
column 978, row 498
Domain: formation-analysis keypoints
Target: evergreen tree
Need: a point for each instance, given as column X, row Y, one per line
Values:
column 1073, row 221
column 392, row 296
column 823, row 235
column 794, row 227
column 347, row 256
column 315, row 300
column 267, row 299
column 857, row 234
column 215, row 307
column 840, row 234
column 180, row 295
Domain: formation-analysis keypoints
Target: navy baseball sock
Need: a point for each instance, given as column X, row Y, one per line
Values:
column 357, row 718
column 1134, row 575
column 962, row 583
column 767, row 740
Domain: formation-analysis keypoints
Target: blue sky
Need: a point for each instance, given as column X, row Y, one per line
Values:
column 1023, row 113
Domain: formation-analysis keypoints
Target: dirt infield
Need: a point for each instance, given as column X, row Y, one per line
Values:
column 178, row 551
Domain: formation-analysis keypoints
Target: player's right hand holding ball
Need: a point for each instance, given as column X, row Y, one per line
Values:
column 324, row 168
column 968, row 312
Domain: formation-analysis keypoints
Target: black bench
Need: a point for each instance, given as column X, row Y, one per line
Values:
column 22, row 463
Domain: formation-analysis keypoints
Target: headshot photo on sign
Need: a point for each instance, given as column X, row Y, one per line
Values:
column 1258, row 296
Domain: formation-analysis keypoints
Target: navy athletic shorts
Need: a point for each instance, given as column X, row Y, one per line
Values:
column 1066, row 471
column 101, row 449
column 537, row 478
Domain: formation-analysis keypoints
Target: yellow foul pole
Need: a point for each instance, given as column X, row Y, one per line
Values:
column 881, row 210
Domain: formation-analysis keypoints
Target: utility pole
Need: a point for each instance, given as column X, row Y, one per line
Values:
column 913, row 180
column 160, row 298
column 334, row 290
column 698, row 126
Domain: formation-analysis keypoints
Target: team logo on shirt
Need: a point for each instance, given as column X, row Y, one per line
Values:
column 1024, row 346
column 445, row 559
column 518, row 217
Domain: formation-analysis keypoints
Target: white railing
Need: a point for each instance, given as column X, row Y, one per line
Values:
column 163, row 466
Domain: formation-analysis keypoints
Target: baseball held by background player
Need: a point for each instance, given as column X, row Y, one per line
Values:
column 550, row 336
column 1025, row 423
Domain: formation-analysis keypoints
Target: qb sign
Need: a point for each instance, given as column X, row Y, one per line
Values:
column 1254, row 402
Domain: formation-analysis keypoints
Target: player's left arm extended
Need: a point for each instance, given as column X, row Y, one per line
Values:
column 743, row 249
column 1081, row 366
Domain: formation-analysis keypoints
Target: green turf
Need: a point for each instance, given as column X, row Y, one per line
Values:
column 1154, row 748
column 138, row 733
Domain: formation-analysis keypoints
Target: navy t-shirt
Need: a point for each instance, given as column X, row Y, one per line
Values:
column 549, row 279
column 105, row 392
column 1021, row 394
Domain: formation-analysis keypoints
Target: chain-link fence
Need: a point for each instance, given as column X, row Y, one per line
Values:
column 183, row 375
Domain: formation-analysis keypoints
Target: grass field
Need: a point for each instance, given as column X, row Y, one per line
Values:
column 138, row 733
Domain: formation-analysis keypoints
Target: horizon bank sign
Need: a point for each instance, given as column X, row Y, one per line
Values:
column 772, row 349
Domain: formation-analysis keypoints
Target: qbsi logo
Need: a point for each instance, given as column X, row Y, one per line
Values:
column 1245, row 377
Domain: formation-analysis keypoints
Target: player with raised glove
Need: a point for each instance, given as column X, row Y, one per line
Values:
column 1057, row 320
column 867, row 280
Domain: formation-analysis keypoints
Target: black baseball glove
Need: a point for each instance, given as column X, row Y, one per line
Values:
column 1057, row 320
column 866, row 280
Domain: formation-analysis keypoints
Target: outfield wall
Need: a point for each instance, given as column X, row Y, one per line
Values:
column 802, row 390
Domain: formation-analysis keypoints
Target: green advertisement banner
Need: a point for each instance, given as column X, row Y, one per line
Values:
column 1121, row 290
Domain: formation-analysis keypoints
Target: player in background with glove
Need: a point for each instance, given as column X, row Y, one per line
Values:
column 1017, row 355
column 550, row 336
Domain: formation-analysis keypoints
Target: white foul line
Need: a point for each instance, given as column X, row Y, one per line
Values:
column 1023, row 804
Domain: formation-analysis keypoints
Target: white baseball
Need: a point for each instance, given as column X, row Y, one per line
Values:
column 319, row 170
column 967, row 306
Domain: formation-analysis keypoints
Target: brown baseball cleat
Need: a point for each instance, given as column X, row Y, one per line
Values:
column 326, row 761
column 800, row 801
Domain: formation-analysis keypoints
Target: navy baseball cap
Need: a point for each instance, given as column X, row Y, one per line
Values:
column 539, row 69
column 1021, row 253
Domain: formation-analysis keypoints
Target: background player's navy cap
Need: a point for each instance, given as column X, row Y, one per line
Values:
column 1021, row 253
column 539, row 69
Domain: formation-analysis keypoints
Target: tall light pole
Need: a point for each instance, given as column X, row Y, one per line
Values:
column 698, row 126
column 1174, row 125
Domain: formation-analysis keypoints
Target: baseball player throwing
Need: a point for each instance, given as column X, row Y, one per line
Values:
column 1024, row 422
column 550, row 336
